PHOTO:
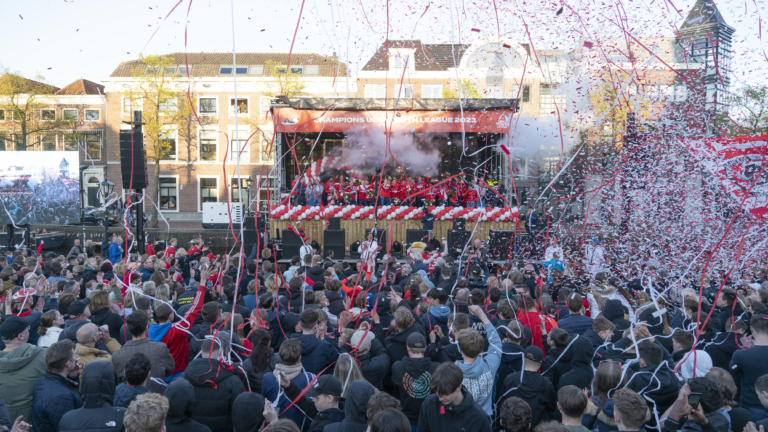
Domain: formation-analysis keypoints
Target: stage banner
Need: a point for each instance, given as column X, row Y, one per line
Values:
column 289, row 120
column 737, row 162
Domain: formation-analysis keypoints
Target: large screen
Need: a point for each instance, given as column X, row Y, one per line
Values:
column 39, row 187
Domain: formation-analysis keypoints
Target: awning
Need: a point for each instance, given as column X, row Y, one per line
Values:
column 390, row 104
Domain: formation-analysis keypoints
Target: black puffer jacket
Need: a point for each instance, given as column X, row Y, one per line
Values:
column 395, row 342
column 294, row 304
column 247, row 412
column 375, row 364
column 180, row 396
column 666, row 381
column 536, row 390
column 315, row 273
column 557, row 363
column 335, row 302
column 467, row 416
column 581, row 370
column 356, row 404
column 213, row 405
column 722, row 348
column 255, row 376
column 110, row 319
column 97, row 383
column 125, row 394
column 53, row 397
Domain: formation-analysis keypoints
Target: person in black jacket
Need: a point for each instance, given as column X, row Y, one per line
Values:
column 102, row 315
column 248, row 412
column 575, row 323
column 323, row 406
column 55, row 393
column 581, row 369
column 261, row 360
column 356, row 404
column 315, row 273
column 411, row 377
column 335, row 301
column 532, row 387
column 371, row 355
column 316, row 354
column 216, row 383
column 558, row 360
column 405, row 323
column 513, row 351
column 682, row 342
column 137, row 371
column 181, row 396
column 452, row 407
column 601, row 331
column 97, row 384
column 725, row 344
column 294, row 303
column 664, row 392
column 613, row 311
column 730, row 308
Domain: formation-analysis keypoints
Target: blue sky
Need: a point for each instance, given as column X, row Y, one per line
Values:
column 68, row 39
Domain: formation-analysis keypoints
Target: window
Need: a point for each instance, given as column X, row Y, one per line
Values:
column 169, row 193
column 311, row 70
column 266, row 104
column 225, row 70
column 208, row 106
column 48, row 115
column 69, row 114
column 238, row 144
column 494, row 86
column 267, row 151
column 48, row 142
column 70, row 142
column 20, row 145
column 431, row 91
column 240, row 106
column 152, row 70
column 169, row 70
column 257, row 70
column 241, row 70
column 404, row 91
column 524, row 95
column 2, row 114
column 17, row 114
column 92, row 115
column 402, row 60
column 209, row 190
column 235, row 186
column 208, row 146
column 548, row 99
column 2, row 142
column 131, row 105
column 297, row 70
column 93, row 146
column 375, row 91
column 169, row 106
column 168, row 144
column 184, row 71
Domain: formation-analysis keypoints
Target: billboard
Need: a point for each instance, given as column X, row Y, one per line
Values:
column 39, row 187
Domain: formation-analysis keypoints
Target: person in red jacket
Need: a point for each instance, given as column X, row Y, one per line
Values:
column 175, row 335
column 530, row 317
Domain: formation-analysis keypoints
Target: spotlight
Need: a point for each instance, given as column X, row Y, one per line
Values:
column 353, row 253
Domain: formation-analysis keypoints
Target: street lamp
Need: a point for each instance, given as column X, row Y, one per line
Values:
column 248, row 183
column 106, row 187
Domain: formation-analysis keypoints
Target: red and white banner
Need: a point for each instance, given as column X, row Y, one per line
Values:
column 741, row 165
column 489, row 121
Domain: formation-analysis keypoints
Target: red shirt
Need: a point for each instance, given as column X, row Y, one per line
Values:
column 150, row 250
column 328, row 186
column 170, row 251
column 385, row 191
column 175, row 337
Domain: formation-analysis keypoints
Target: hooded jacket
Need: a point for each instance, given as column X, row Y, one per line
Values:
column 557, row 363
column 594, row 338
column 536, row 390
column 727, row 313
column 247, row 412
column 270, row 388
column 97, row 384
column 322, row 418
column 511, row 362
column 293, row 304
column 581, row 370
column 395, row 342
column 665, row 380
column 479, row 376
column 335, row 302
column 180, row 396
column 613, row 311
column 216, row 385
column 125, row 394
column 355, row 420
column 110, row 319
column 255, row 377
column 375, row 364
column 412, row 378
column 174, row 336
column 316, row 273
column 19, row 370
column 465, row 417
column 437, row 316
column 53, row 397
column 722, row 348
column 575, row 324
column 316, row 354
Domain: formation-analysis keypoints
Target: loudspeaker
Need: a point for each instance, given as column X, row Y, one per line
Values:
column 335, row 240
column 416, row 235
column 291, row 244
column 500, row 244
column 459, row 224
column 457, row 239
column 380, row 236
column 133, row 161
column 250, row 237
column 250, row 223
column 334, row 223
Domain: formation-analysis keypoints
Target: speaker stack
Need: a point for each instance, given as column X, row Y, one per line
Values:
column 291, row 244
column 500, row 244
column 380, row 236
column 334, row 239
column 133, row 161
column 460, row 224
column 457, row 239
column 416, row 235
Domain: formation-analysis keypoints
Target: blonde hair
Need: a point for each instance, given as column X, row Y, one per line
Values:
column 146, row 413
column 163, row 293
column 181, row 252
column 342, row 372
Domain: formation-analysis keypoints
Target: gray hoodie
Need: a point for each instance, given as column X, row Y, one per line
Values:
column 479, row 376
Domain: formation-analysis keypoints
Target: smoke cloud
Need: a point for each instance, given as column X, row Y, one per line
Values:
column 366, row 149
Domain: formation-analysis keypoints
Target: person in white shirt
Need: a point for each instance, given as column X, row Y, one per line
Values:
column 553, row 248
column 594, row 257
column 304, row 250
column 367, row 251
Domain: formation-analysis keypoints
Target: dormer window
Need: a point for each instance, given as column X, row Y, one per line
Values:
column 402, row 60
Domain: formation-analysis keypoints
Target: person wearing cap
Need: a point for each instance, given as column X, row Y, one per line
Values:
column 56, row 393
column 371, row 354
column 321, row 402
column 412, row 377
column 79, row 315
column 355, row 408
column 452, row 406
column 21, row 364
column 22, row 306
column 531, row 387
column 86, row 350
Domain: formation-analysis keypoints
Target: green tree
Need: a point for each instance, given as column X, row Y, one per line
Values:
column 749, row 108
column 468, row 91
column 28, row 111
column 164, row 110
column 282, row 82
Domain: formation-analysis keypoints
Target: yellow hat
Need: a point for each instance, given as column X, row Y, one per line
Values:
column 419, row 245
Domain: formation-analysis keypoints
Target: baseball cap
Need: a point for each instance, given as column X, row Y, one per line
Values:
column 23, row 293
column 416, row 340
column 534, row 353
column 78, row 307
column 325, row 385
column 357, row 340
column 12, row 327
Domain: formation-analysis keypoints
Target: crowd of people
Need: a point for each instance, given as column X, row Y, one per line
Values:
column 181, row 339
column 414, row 192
